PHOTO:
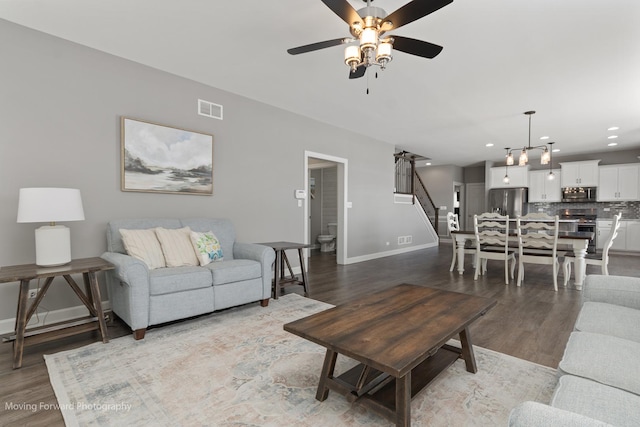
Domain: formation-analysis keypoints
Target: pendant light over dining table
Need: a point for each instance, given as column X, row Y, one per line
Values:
column 523, row 159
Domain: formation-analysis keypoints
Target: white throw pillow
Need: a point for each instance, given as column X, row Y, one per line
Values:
column 143, row 245
column 176, row 246
column 207, row 246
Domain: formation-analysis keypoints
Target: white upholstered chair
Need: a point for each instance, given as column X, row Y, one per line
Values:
column 454, row 225
column 492, row 243
column 594, row 259
column 538, row 243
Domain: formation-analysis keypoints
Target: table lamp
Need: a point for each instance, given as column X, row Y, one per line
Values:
column 53, row 241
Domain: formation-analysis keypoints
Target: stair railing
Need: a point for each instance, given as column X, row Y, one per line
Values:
column 422, row 195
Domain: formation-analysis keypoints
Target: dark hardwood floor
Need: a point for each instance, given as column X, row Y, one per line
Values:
column 531, row 322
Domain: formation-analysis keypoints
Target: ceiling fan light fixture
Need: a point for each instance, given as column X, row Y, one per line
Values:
column 368, row 24
column 384, row 52
column 352, row 56
column 368, row 38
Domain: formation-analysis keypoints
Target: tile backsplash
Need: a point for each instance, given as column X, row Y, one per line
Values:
column 630, row 210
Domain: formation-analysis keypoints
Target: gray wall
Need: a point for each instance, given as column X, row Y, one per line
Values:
column 60, row 106
column 473, row 174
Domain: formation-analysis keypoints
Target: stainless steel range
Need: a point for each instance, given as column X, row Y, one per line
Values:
column 586, row 222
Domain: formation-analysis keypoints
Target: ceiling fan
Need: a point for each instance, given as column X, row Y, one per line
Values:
column 368, row 25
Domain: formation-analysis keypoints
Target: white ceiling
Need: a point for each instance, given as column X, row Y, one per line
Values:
column 576, row 62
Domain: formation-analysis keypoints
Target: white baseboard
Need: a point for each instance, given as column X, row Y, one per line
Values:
column 44, row 317
column 377, row 255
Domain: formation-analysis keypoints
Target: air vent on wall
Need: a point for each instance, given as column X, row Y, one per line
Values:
column 209, row 109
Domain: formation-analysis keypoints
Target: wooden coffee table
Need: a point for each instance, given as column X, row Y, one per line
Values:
column 399, row 337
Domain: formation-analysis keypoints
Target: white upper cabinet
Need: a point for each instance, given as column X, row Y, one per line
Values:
column 542, row 189
column 580, row 174
column 518, row 176
column 618, row 183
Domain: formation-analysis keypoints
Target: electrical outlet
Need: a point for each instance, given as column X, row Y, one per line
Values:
column 33, row 293
column 408, row 239
column 401, row 240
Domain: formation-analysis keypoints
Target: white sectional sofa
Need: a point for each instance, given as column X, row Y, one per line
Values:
column 599, row 375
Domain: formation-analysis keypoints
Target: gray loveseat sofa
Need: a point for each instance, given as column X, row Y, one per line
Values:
column 599, row 375
column 143, row 297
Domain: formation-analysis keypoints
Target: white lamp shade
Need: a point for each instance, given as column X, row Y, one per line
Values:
column 352, row 54
column 50, row 205
column 384, row 51
column 368, row 38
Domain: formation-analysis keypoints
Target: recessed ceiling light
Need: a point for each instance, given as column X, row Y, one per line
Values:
column 428, row 164
column 613, row 128
column 555, row 150
column 612, row 137
column 490, row 144
column 544, row 137
column 612, row 144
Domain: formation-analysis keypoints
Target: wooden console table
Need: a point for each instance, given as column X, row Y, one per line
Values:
column 89, row 267
column 280, row 281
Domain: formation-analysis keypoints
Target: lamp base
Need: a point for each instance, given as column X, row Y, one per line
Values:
column 53, row 245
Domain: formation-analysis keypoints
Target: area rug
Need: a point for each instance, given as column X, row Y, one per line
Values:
column 239, row 367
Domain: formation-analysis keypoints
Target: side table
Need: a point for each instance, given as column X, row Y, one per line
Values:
column 89, row 267
column 280, row 281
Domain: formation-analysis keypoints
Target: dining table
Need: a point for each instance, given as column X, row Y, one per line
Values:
column 577, row 240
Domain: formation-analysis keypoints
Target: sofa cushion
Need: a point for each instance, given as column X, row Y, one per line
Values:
column 535, row 414
column 176, row 246
column 234, row 270
column 608, row 404
column 609, row 319
column 177, row 279
column 143, row 245
column 222, row 228
column 207, row 247
column 114, row 239
column 608, row 360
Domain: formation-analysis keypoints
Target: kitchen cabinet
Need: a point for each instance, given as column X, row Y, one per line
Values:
column 518, row 177
column 633, row 236
column 618, row 183
column 542, row 189
column 628, row 238
column 580, row 174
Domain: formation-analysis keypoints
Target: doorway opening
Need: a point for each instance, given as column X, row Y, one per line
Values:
column 325, row 210
column 458, row 201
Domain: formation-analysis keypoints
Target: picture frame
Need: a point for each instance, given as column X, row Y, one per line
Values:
column 163, row 159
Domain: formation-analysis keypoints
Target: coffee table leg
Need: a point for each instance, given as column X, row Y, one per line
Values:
column 403, row 400
column 467, row 351
column 327, row 372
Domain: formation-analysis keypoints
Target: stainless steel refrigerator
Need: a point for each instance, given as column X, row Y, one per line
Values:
column 508, row 201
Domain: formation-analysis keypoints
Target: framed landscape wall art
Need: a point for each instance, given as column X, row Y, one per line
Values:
column 163, row 159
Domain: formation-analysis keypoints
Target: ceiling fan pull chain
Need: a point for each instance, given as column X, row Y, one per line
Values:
column 368, row 83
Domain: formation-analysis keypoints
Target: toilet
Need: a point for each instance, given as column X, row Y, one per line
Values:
column 328, row 241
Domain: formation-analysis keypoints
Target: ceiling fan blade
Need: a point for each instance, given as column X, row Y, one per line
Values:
column 316, row 46
column 412, row 11
column 359, row 72
column 344, row 10
column 416, row 47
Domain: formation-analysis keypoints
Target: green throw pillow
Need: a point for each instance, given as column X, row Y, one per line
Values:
column 207, row 247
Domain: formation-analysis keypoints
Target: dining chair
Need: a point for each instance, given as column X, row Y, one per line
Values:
column 454, row 225
column 538, row 243
column 595, row 259
column 492, row 243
